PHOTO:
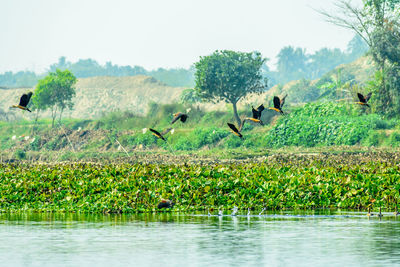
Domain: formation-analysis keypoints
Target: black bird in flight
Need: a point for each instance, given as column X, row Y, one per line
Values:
column 160, row 135
column 23, row 102
column 235, row 130
column 364, row 100
column 257, row 114
column 182, row 116
column 278, row 104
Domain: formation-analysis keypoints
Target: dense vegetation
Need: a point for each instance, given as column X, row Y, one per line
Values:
column 321, row 124
column 376, row 22
column 229, row 76
column 286, row 183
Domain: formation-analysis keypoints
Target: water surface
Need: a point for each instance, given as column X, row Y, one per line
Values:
column 166, row 239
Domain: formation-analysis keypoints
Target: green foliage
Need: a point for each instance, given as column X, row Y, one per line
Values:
column 322, row 124
column 228, row 76
column 35, row 145
column 200, row 137
column 89, row 67
column 20, row 154
column 55, row 91
column 374, row 138
column 127, row 188
column 394, row 139
column 190, row 96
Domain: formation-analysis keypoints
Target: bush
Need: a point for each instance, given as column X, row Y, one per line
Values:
column 233, row 141
column 200, row 137
column 394, row 139
column 321, row 124
column 20, row 154
column 374, row 138
column 36, row 144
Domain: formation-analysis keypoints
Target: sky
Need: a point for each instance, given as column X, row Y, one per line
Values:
column 158, row 33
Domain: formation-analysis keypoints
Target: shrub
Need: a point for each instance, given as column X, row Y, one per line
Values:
column 20, row 154
column 321, row 124
column 394, row 139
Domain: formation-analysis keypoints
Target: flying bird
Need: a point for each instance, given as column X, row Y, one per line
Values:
column 364, row 100
column 235, row 130
column 23, row 102
column 278, row 104
column 160, row 135
column 257, row 114
column 182, row 116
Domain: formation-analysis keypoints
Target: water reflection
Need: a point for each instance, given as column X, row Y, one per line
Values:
column 165, row 239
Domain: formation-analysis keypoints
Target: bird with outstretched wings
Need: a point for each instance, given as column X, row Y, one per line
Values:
column 179, row 116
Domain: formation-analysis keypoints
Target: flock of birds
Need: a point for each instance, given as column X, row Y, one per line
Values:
column 256, row 117
column 165, row 203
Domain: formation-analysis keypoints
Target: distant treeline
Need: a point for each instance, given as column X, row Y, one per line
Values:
column 293, row 64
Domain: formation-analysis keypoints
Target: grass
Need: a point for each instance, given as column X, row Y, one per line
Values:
column 321, row 124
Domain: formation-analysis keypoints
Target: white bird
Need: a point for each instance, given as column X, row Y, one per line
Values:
column 144, row 130
column 220, row 213
column 172, row 131
column 261, row 211
column 234, row 211
column 248, row 211
column 209, row 214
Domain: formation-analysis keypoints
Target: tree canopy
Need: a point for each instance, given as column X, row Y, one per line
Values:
column 376, row 22
column 55, row 92
column 228, row 76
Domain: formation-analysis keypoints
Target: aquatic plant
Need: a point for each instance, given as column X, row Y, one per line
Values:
column 300, row 182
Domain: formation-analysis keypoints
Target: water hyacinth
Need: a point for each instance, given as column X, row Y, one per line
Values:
column 129, row 188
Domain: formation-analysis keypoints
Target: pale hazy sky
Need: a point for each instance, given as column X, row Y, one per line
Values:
column 157, row 33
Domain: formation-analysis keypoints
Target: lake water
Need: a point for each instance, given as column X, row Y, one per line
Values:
column 167, row 239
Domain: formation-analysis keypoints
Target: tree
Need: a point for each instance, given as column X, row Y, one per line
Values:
column 356, row 48
column 55, row 91
column 228, row 76
column 190, row 96
column 376, row 22
column 292, row 63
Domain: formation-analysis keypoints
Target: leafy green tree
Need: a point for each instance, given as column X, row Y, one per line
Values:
column 356, row 48
column 190, row 96
column 292, row 63
column 55, row 92
column 228, row 76
column 376, row 22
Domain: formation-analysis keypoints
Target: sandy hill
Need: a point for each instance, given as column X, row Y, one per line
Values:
column 98, row 95
column 362, row 69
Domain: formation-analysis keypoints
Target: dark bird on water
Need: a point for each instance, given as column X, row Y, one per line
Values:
column 278, row 104
column 182, row 116
column 160, row 135
column 364, row 100
column 165, row 204
column 23, row 102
